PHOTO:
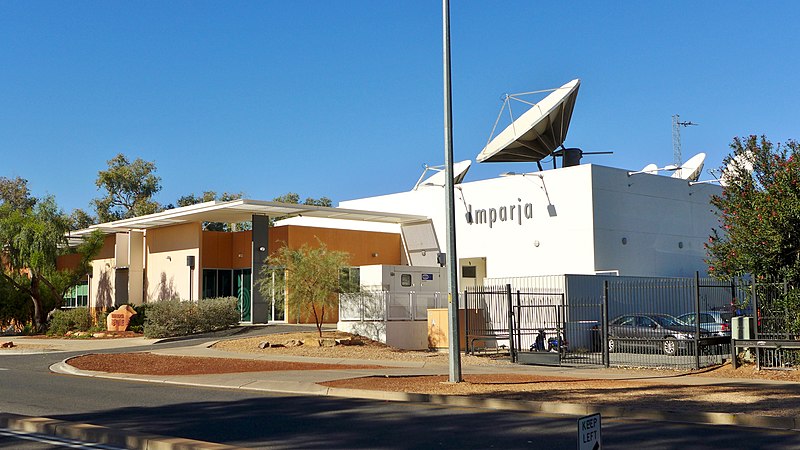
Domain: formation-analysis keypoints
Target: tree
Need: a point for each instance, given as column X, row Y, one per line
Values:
column 32, row 237
column 129, row 187
column 759, row 212
column 15, row 193
column 312, row 278
column 80, row 219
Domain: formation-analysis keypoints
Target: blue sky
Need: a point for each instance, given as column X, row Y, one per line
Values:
column 344, row 99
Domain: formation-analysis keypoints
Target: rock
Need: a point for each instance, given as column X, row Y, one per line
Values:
column 350, row 341
column 263, row 345
column 328, row 342
column 98, row 335
column 293, row 343
column 8, row 344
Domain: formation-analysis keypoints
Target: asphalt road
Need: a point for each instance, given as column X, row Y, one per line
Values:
column 260, row 420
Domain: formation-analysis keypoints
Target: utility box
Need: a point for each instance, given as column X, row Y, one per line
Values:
column 742, row 328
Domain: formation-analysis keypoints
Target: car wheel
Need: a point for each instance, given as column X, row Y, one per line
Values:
column 670, row 346
column 611, row 345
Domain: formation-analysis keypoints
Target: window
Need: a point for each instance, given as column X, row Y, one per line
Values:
column 218, row 283
column 77, row 296
column 469, row 272
column 350, row 279
column 405, row 279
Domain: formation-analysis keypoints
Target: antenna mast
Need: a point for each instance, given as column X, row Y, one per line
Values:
column 676, row 138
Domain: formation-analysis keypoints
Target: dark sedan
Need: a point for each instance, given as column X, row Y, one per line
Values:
column 660, row 331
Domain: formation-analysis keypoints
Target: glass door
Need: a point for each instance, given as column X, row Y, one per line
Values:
column 242, row 278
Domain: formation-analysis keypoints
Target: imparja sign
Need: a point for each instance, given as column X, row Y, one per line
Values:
column 510, row 213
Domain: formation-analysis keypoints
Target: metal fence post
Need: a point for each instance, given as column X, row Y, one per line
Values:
column 468, row 348
column 606, row 360
column 754, row 288
column 697, row 320
column 512, row 349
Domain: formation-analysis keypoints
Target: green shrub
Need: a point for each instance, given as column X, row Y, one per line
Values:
column 76, row 319
column 169, row 318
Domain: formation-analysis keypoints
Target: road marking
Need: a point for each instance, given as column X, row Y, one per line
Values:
column 61, row 442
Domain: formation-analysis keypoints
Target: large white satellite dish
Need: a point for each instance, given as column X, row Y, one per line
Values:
column 538, row 132
column 691, row 169
column 438, row 179
column 742, row 161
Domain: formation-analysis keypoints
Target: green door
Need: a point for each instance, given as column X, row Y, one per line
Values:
column 242, row 277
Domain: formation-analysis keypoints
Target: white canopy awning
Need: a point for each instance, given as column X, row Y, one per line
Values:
column 242, row 211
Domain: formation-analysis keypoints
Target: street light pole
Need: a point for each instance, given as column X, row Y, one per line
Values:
column 452, row 260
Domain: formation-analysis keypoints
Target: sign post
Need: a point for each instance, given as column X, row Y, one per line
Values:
column 589, row 436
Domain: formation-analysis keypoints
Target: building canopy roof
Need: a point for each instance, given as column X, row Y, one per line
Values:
column 242, row 211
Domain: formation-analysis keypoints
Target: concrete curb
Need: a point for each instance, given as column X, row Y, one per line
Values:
column 103, row 435
column 568, row 409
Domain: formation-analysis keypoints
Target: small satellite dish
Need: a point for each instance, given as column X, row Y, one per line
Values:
column 742, row 161
column 538, row 132
column 438, row 179
column 691, row 169
column 651, row 168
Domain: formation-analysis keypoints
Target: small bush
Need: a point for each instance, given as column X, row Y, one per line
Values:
column 76, row 319
column 169, row 318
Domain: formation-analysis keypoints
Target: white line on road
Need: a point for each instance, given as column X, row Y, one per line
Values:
column 61, row 442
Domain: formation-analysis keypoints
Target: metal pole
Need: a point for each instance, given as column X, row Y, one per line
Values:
column 452, row 260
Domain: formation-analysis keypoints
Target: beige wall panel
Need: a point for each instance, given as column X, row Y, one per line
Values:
column 167, row 274
column 101, row 289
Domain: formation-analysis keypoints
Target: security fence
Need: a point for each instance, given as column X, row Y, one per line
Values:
column 772, row 330
column 603, row 320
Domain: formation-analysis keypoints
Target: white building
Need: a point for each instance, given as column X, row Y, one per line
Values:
column 584, row 219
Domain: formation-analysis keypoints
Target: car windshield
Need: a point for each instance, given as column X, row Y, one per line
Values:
column 668, row 321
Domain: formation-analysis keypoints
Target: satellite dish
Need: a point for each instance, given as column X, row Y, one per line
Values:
column 742, row 161
column 691, row 169
column 651, row 168
column 538, row 132
column 438, row 179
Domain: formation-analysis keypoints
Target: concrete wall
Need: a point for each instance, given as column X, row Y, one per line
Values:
column 102, row 290
column 649, row 225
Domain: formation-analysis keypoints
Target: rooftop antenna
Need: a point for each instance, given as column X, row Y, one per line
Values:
column 676, row 138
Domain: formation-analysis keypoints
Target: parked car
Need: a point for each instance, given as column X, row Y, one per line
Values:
column 718, row 323
column 659, row 331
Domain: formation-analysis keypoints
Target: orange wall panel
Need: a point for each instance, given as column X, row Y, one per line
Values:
column 68, row 262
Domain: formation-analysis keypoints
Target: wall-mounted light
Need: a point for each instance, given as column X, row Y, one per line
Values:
column 535, row 243
column 261, row 249
column 240, row 255
column 680, row 244
column 624, row 241
column 375, row 255
column 169, row 258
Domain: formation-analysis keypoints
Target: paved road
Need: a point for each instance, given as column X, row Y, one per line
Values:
column 282, row 421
